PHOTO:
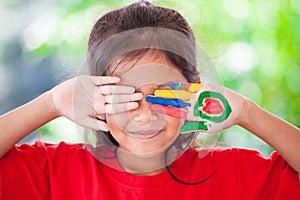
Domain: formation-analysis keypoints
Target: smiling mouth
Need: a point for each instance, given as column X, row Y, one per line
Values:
column 145, row 134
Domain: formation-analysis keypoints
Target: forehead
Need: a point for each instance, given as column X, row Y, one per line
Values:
column 151, row 68
column 154, row 73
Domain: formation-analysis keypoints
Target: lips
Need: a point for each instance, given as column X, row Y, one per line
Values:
column 145, row 134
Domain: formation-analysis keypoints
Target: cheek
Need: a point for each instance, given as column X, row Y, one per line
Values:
column 117, row 121
column 173, row 125
column 111, row 122
column 115, row 128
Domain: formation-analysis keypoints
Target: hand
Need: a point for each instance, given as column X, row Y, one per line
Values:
column 206, row 108
column 86, row 99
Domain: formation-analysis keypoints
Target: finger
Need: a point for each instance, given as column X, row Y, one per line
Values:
column 167, row 102
column 192, row 126
column 168, row 110
column 94, row 124
column 102, row 80
column 122, row 107
column 116, row 89
column 123, row 98
column 190, row 87
column 173, row 94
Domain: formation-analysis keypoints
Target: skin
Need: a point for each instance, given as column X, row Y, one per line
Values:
column 141, row 120
column 96, row 93
column 144, row 156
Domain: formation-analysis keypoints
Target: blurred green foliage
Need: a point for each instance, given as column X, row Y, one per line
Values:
column 255, row 45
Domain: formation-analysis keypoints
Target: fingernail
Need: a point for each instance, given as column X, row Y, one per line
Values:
column 137, row 96
column 115, row 78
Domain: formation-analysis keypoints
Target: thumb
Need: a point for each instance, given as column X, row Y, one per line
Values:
column 94, row 124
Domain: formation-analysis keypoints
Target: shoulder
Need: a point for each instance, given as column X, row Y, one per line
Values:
column 238, row 160
column 219, row 153
column 60, row 147
column 40, row 151
column 239, row 154
column 254, row 176
column 64, row 152
column 42, row 146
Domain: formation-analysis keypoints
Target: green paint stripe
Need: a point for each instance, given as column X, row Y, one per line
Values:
column 193, row 126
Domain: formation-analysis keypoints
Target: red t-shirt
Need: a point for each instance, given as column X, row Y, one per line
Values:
column 69, row 171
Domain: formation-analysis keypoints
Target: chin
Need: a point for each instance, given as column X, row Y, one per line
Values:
column 147, row 147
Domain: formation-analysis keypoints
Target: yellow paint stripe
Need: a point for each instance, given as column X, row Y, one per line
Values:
column 173, row 94
column 194, row 87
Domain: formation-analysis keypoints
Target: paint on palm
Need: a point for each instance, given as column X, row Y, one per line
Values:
column 210, row 106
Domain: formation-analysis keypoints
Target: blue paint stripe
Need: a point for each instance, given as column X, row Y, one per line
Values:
column 175, row 86
column 177, row 103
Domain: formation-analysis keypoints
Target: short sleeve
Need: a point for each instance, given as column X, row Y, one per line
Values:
column 265, row 178
column 24, row 173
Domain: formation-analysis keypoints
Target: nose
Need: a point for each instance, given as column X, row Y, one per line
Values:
column 143, row 115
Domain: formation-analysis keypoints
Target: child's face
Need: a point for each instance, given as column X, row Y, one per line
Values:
column 142, row 131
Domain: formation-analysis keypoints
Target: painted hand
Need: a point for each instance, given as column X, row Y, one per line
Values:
column 205, row 108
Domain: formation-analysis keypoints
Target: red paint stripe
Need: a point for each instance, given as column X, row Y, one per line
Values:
column 171, row 111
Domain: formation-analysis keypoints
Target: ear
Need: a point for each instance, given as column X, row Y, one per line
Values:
column 198, row 80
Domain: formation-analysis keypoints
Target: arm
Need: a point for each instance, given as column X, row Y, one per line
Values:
column 20, row 122
column 282, row 136
column 80, row 99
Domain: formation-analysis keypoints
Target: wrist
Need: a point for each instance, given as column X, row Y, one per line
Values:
column 49, row 105
column 244, row 118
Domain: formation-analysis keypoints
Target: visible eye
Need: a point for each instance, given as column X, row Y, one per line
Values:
column 163, row 87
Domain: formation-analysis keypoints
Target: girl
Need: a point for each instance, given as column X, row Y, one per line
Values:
column 144, row 127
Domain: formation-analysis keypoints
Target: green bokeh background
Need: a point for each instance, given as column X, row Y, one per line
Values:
column 254, row 44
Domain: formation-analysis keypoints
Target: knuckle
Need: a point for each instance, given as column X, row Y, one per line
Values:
column 115, row 98
column 99, row 107
column 108, row 99
column 108, row 109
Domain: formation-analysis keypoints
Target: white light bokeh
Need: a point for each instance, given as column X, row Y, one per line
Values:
column 265, row 45
column 74, row 27
column 53, row 30
column 39, row 32
column 240, row 57
column 295, row 4
column 237, row 8
column 267, row 15
column 251, row 90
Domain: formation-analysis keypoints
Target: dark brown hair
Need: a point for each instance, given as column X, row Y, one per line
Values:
column 149, row 27
column 139, row 21
column 138, row 18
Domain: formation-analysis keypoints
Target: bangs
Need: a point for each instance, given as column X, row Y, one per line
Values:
column 178, row 49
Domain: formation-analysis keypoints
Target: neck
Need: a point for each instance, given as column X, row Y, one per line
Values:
column 144, row 165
